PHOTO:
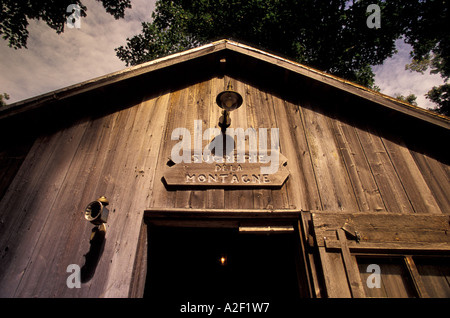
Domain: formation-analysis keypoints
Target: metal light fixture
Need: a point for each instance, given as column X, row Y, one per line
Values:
column 228, row 100
column 96, row 212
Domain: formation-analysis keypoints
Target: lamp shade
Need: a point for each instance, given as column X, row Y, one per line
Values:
column 229, row 100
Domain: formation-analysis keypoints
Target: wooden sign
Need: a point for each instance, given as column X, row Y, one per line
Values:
column 214, row 175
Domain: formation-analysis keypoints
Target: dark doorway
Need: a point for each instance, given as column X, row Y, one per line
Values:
column 220, row 267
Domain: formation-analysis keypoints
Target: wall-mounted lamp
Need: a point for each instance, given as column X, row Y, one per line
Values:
column 96, row 211
column 228, row 100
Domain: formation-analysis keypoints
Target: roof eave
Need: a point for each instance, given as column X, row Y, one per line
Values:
column 108, row 79
column 340, row 83
column 334, row 81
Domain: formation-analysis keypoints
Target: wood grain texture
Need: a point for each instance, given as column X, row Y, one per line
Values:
column 31, row 211
column 419, row 194
column 391, row 189
column 384, row 227
column 334, row 184
column 437, row 177
column 343, row 167
column 364, row 186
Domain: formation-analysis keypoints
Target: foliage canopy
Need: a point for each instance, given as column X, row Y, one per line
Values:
column 332, row 36
column 15, row 14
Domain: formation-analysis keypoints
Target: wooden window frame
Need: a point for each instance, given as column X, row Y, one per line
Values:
column 409, row 263
column 341, row 236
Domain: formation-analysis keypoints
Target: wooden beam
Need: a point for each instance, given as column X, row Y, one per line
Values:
column 224, row 218
column 266, row 229
column 305, row 267
column 139, row 274
column 354, row 279
column 392, row 229
column 391, row 246
column 334, row 274
column 417, row 280
column 222, row 213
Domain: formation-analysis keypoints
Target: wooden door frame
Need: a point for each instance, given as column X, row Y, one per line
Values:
column 225, row 218
column 327, row 256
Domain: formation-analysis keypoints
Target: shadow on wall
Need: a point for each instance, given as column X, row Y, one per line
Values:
column 97, row 244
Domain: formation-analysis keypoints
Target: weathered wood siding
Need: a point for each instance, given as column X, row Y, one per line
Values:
column 337, row 162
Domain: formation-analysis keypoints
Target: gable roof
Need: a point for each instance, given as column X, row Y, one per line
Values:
column 239, row 48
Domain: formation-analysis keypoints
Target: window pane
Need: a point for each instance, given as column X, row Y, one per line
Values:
column 435, row 274
column 394, row 279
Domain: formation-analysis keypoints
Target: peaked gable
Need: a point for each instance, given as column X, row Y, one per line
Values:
column 204, row 55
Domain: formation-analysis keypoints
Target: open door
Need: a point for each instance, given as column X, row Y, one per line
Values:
column 221, row 267
column 233, row 265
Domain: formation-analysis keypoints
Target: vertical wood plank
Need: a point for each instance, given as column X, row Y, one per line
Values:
column 186, row 120
column 155, row 133
column 146, row 137
column 11, row 158
column 302, row 184
column 280, row 197
column 210, row 111
column 138, row 278
column 364, row 185
column 241, row 118
column 163, row 197
column 391, row 189
column 19, row 192
column 334, row 185
column 37, row 201
column 265, row 118
column 411, row 178
column 142, row 189
column 334, row 274
column 436, row 177
column 351, row 268
column 417, row 280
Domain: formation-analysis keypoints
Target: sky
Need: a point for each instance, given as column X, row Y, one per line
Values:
column 53, row 61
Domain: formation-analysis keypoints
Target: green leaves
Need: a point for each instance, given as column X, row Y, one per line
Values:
column 14, row 16
column 440, row 95
column 330, row 36
column 411, row 99
column 3, row 97
column 427, row 32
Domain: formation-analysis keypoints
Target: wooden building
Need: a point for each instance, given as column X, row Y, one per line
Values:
column 361, row 207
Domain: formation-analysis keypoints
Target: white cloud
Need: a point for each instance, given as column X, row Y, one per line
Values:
column 55, row 61
column 394, row 80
